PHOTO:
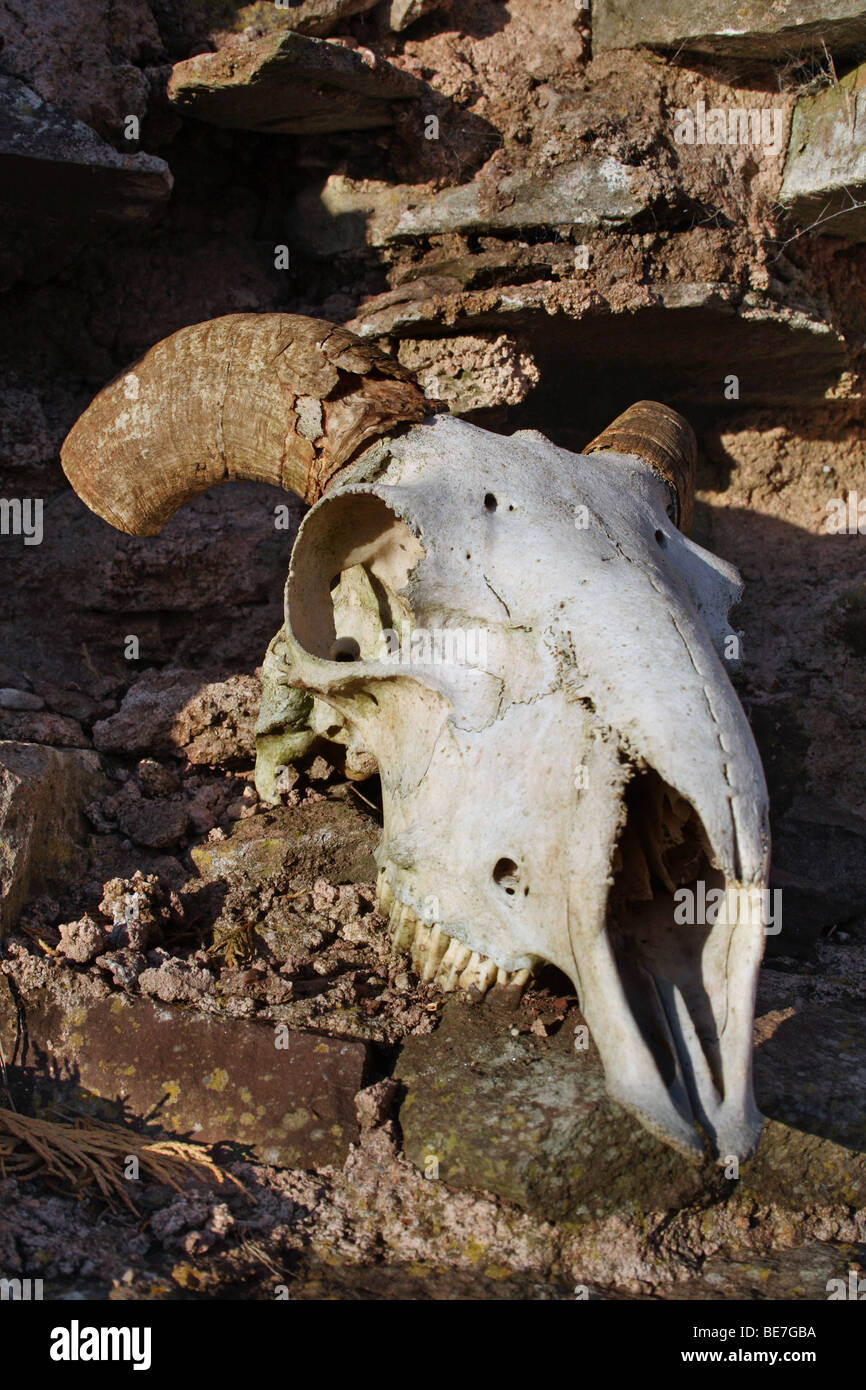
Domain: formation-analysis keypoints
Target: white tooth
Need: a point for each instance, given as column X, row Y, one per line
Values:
column 454, row 962
column 470, row 975
column 403, row 923
column 420, row 946
column 438, row 943
column 513, row 979
column 384, row 896
column 441, row 958
column 486, row 975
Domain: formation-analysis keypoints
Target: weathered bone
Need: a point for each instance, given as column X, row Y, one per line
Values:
column 545, row 799
column 599, row 747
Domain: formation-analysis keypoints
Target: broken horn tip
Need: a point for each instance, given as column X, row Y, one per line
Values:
column 661, row 423
column 663, row 438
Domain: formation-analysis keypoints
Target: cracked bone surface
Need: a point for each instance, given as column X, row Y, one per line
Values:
column 532, row 653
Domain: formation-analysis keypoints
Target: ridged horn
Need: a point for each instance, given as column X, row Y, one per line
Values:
column 662, row 438
column 276, row 398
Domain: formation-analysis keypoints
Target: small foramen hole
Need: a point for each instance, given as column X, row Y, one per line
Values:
column 490, row 502
column 506, row 875
column 344, row 649
column 661, row 538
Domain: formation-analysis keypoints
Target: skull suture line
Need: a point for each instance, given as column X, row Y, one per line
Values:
column 545, row 803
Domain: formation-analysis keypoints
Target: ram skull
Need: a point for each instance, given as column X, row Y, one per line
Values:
column 529, row 649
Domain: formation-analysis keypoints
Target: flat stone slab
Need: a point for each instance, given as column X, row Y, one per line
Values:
column 825, row 170
column 529, row 1119
column 212, row 1080
column 332, row 837
column 318, row 17
column 61, row 185
column 754, row 29
column 811, row 1072
column 795, row 1171
column 802, row 1274
column 290, row 84
column 43, row 792
column 591, row 193
column 783, row 355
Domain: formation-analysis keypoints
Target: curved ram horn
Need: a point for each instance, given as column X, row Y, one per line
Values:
column 276, row 398
column 662, row 438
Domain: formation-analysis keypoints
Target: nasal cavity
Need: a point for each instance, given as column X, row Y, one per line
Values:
column 344, row 649
column 507, row 876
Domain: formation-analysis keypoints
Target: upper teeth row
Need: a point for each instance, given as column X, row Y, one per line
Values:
column 437, row 957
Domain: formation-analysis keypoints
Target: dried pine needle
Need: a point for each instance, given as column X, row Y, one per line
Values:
column 84, row 1152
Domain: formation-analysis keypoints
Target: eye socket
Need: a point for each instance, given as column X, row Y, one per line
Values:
column 344, row 649
column 506, row 875
column 344, row 534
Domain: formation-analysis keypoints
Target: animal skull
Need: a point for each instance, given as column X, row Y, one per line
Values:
column 560, row 750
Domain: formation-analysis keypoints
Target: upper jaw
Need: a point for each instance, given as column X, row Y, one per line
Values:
column 669, row 1005
column 674, row 1030
column 671, row 1017
column 692, row 1090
